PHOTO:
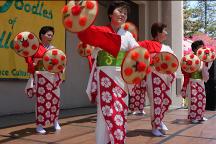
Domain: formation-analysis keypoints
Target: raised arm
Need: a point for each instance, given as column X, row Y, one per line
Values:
column 99, row 37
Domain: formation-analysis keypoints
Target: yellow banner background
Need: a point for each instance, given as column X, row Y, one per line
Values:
column 19, row 15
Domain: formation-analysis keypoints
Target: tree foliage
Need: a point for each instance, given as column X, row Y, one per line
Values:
column 200, row 17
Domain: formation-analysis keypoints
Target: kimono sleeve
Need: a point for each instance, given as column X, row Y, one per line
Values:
column 143, row 44
column 30, row 64
column 99, row 37
column 132, row 42
column 185, row 83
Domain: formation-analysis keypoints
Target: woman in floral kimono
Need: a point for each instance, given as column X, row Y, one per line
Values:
column 157, row 84
column 45, row 84
column 194, row 88
column 106, row 85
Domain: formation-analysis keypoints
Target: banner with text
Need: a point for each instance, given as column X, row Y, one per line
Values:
column 21, row 15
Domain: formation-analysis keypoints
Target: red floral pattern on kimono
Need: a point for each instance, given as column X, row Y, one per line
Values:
column 48, row 101
column 137, row 97
column 198, row 101
column 113, row 108
column 160, row 98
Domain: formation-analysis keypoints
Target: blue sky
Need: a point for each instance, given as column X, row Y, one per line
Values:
column 192, row 3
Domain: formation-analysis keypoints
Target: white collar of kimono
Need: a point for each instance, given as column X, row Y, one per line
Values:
column 121, row 31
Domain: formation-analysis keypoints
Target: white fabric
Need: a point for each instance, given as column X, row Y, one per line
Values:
column 127, row 40
column 102, row 133
column 149, row 90
column 209, row 65
column 166, row 48
column 205, row 73
column 88, row 90
column 30, row 85
column 49, row 47
column 156, row 132
column 204, row 69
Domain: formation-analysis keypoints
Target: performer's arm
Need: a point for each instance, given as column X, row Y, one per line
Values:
column 186, row 78
column 30, row 63
column 90, row 61
column 186, row 81
column 132, row 42
column 98, row 37
column 142, row 44
column 205, row 73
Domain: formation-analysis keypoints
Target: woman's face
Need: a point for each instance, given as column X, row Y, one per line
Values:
column 162, row 36
column 47, row 37
column 119, row 16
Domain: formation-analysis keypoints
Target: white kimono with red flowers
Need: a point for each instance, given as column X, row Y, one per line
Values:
column 195, row 90
column 158, row 89
column 47, row 92
column 108, row 89
column 157, row 86
column 45, row 86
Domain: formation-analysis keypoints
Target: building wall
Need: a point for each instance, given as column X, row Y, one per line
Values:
column 170, row 13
